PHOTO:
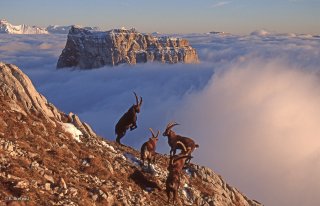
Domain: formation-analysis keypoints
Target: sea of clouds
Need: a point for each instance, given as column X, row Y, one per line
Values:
column 252, row 104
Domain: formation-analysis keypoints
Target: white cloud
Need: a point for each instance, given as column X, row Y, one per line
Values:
column 220, row 4
column 260, row 122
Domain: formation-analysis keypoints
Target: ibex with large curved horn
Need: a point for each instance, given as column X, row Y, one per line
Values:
column 128, row 120
column 177, row 162
column 175, row 141
column 148, row 149
column 175, row 167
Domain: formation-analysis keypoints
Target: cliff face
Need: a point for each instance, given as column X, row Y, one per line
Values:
column 91, row 49
column 50, row 158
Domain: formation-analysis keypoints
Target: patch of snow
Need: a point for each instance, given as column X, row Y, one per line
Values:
column 187, row 192
column 111, row 148
column 85, row 163
column 188, row 171
column 132, row 158
column 154, row 169
column 68, row 127
column 149, row 189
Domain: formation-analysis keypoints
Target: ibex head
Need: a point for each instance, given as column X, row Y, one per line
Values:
column 138, row 104
column 154, row 137
column 168, row 130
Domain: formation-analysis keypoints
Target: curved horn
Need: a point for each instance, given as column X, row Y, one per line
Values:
column 140, row 101
column 137, row 102
column 158, row 133
column 169, row 124
column 172, row 125
column 152, row 132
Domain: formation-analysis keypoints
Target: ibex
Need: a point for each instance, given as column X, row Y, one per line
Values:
column 177, row 162
column 175, row 167
column 172, row 185
column 148, row 149
column 175, row 141
column 128, row 120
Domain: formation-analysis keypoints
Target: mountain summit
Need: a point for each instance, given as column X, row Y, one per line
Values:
column 48, row 157
column 92, row 49
column 6, row 27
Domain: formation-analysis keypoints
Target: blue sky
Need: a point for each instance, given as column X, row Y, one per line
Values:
column 171, row 16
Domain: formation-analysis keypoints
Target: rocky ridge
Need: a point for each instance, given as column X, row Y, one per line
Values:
column 50, row 158
column 56, row 29
column 93, row 49
column 6, row 27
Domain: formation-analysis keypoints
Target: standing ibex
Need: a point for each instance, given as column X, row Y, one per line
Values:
column 175, row 167
column 172, row 185
column 128, row 120
column 175, row 141
column 148, row 149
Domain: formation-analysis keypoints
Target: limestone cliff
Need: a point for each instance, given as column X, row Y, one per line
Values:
column 50, row 158
column 92, row 49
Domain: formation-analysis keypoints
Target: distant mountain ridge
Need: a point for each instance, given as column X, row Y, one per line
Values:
column 56, row 29
column 8, row 28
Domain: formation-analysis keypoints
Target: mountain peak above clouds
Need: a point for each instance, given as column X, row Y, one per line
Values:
column 89, row 49
column 8, row 28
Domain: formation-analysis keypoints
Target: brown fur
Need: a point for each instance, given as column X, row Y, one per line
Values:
column 172, row 185
column 148, row 149
column 175, row 167
column 128, row 120
column 177, row 162
column 175, row 141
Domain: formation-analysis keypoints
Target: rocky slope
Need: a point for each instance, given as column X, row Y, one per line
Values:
column 6, row 27
column 91, row 49
column 50, row 158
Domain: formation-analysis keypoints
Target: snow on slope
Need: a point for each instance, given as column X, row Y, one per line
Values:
column 57, row 29
column 6, row 27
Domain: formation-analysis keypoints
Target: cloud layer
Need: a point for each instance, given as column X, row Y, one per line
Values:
column 261, row 128
column 252, row 104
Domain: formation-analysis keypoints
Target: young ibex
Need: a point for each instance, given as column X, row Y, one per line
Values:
column 148, row 149
column 175, row 167
column 175, row 141
column 128, row 120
